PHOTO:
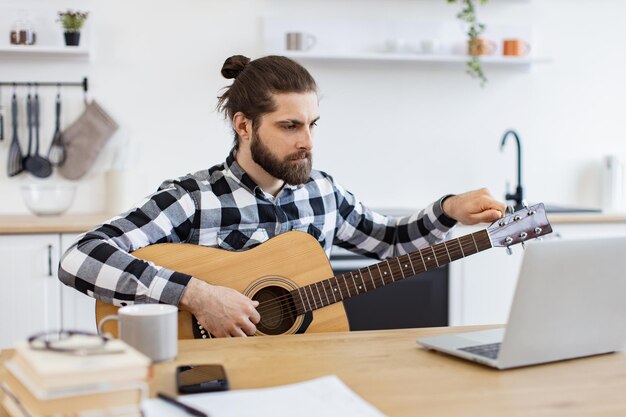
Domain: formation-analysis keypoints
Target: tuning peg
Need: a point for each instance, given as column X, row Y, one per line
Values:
column 510, row 208
column 509, row 251
column 525, row 204
column 524, row 245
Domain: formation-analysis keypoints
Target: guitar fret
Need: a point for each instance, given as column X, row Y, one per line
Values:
column 461, row 247
column 356, row 287
column 300, row 294
column 330, row 287
column 390, row 271
column 346, row 284
column 307, row 299
column 411, row 262
column 380, row 273
column 320, row 295
column 452, row 252
column 362, row 285
column 425, row 268
column 371, row 277
column 399, row 264
column 447, row 251
column 327, row 297
column 338, row 286
column 312, row 296
column 472, row 235
column 434, row 255
column 470, row 248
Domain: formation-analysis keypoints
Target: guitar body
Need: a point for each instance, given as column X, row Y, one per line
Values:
column 266, row 272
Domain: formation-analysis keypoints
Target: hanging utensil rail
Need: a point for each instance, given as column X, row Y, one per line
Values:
column 84, row 84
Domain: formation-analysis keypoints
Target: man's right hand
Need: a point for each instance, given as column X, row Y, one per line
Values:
column 222, row 311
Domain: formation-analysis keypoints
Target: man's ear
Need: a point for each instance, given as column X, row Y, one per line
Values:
column 242, row 126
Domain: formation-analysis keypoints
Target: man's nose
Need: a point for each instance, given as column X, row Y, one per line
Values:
column 306, row 140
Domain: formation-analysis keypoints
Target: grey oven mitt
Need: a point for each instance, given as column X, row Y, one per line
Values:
column 84, row 139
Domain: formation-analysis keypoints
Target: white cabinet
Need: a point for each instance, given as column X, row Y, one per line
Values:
column 77, row 309
column 32, row 299
column 29, row 288
column 482, row 285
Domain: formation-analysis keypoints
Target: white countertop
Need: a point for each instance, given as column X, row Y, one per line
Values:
column 78, row 223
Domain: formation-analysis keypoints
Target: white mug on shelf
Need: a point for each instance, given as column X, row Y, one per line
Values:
column 430, row 46
column 396, row 45
column 300, row 41
column 152, row 329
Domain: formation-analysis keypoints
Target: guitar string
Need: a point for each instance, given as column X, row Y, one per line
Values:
column 277, row 306
column 278, row 302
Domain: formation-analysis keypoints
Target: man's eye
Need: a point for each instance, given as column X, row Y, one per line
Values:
column 313, row 124
column 290, row 127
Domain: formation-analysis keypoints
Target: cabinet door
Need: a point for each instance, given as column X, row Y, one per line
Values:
column 30, row 290
column 78, row 310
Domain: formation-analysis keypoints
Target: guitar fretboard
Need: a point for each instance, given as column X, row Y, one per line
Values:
column 332, row 290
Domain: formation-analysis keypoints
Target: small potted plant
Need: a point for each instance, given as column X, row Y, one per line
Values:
column 72, row 22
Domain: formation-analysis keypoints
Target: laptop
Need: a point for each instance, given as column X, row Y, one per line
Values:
column 570, row 302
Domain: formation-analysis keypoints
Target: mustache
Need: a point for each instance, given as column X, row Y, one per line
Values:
column 300, row 155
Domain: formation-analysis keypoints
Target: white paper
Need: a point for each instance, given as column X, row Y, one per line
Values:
column 327, row 396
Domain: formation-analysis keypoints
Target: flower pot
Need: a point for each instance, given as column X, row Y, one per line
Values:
column 72, row 38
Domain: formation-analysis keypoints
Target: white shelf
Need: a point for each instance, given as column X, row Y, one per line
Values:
column 400, row 57
column 77, row 52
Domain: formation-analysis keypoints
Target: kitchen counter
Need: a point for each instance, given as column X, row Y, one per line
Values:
column 78, row 223
column 70, row 223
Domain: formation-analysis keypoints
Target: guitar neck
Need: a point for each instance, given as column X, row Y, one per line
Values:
column 329, row 291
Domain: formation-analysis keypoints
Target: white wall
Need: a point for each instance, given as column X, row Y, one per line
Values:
column 397, row 135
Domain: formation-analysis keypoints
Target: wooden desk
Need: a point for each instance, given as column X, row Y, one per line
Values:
column 389, row 370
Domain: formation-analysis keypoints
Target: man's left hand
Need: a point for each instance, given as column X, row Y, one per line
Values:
column 474, row 207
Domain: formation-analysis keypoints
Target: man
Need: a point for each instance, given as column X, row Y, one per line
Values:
column 265, row 187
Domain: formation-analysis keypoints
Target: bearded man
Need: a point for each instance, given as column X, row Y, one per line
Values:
column 265, row 187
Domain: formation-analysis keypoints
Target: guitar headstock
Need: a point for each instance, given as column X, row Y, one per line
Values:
column 525, row 224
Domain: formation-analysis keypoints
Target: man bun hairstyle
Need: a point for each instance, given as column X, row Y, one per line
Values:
column 234, row 65
column 255, row 82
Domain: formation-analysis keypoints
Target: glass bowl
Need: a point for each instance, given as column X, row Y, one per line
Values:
column 48, row 199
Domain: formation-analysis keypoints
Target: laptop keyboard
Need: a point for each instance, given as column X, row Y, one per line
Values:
column 490, row 350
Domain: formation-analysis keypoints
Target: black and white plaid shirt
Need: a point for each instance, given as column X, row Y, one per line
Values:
column 222, row 207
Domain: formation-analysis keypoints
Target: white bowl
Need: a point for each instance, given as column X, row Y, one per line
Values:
column 48, row 199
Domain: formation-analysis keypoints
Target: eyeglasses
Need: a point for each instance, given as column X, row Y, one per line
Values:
column 73, row 342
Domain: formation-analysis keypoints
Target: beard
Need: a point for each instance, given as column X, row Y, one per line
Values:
column 287, row 169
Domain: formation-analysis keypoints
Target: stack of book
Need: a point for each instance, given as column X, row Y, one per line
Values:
column 42, row 383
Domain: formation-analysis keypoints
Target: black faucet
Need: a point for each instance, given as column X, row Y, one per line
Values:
column 518, row 197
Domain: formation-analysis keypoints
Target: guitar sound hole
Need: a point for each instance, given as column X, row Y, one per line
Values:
column 277, row 310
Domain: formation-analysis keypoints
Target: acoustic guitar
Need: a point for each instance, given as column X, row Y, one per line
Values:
column 292, row 279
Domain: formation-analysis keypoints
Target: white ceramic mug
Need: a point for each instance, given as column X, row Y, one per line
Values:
column 430, row 46
column 152, row 329
column 300, row 41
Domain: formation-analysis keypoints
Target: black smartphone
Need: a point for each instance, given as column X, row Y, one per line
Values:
column 191, row 379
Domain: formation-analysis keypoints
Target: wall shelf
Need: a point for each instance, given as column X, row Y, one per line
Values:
column 406, row 57
column 70, row 52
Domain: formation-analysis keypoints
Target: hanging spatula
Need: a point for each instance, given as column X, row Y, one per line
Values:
column 35, row 163
column 56, row 153
column 14, row 165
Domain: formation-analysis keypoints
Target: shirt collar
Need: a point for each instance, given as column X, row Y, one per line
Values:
column 240, row 175
column 244, row 179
